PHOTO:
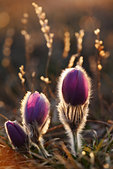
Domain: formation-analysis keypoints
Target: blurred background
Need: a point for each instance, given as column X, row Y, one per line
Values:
column 16, row 17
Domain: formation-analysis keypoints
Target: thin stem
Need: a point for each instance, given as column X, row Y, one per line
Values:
column 43, row 151
column 48, row 61
column 75, row 139
column 72, row 140
column 4, row 116
column 94, row 121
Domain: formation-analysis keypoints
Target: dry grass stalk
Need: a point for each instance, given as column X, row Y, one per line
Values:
column 72, row 60
column 70, row 158
column 68, row 161
column 79, row 36
column 45, row 79
column 66, row 44
column 99, row 46
column 27, row 37
column 101, row 55
column 3, row 116
column 80, row 61
column 21, row 74
column 45, row 28
column 30, row 72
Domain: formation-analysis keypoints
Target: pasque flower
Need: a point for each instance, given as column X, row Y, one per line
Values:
column 35, row 115
column 16, row 135
column 74, row 89
column 37, row 109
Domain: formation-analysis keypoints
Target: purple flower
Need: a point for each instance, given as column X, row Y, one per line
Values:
column 75, row 87
column 36, row 109
column 16, row 134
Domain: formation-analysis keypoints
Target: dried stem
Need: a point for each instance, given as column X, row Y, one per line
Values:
column 45, row 28
column 101, row 54
column 21, row 76
column 48, row 61
column 3, row 116
column 79, row 36
column 66, row 44
column 92, row 121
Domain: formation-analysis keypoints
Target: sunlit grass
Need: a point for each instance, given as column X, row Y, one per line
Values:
column 97, row 148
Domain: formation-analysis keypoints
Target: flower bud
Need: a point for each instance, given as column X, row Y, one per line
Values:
column 75, row 87
column 37, row 109
column 35, row 115
column 74, row 94
column 16, row 135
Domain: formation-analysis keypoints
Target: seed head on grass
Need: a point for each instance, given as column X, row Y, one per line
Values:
column 45, row 79
column 101, row 55
column 45, row 28
column 79, row 36
column 74, row 91
column 21, row 75
column 27, row 37
column 100, row 47
column 66, row 44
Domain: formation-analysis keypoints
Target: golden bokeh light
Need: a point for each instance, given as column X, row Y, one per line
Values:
column 4, row 19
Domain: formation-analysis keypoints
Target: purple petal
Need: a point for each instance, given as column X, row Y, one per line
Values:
column 37, row 109
column 75, row 88
column 16, row 134
column 29, row 112
column 41, row 110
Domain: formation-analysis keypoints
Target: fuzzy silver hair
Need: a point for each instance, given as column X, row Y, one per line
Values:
column 42, row 129
column 35, row 131
column 73, row 117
